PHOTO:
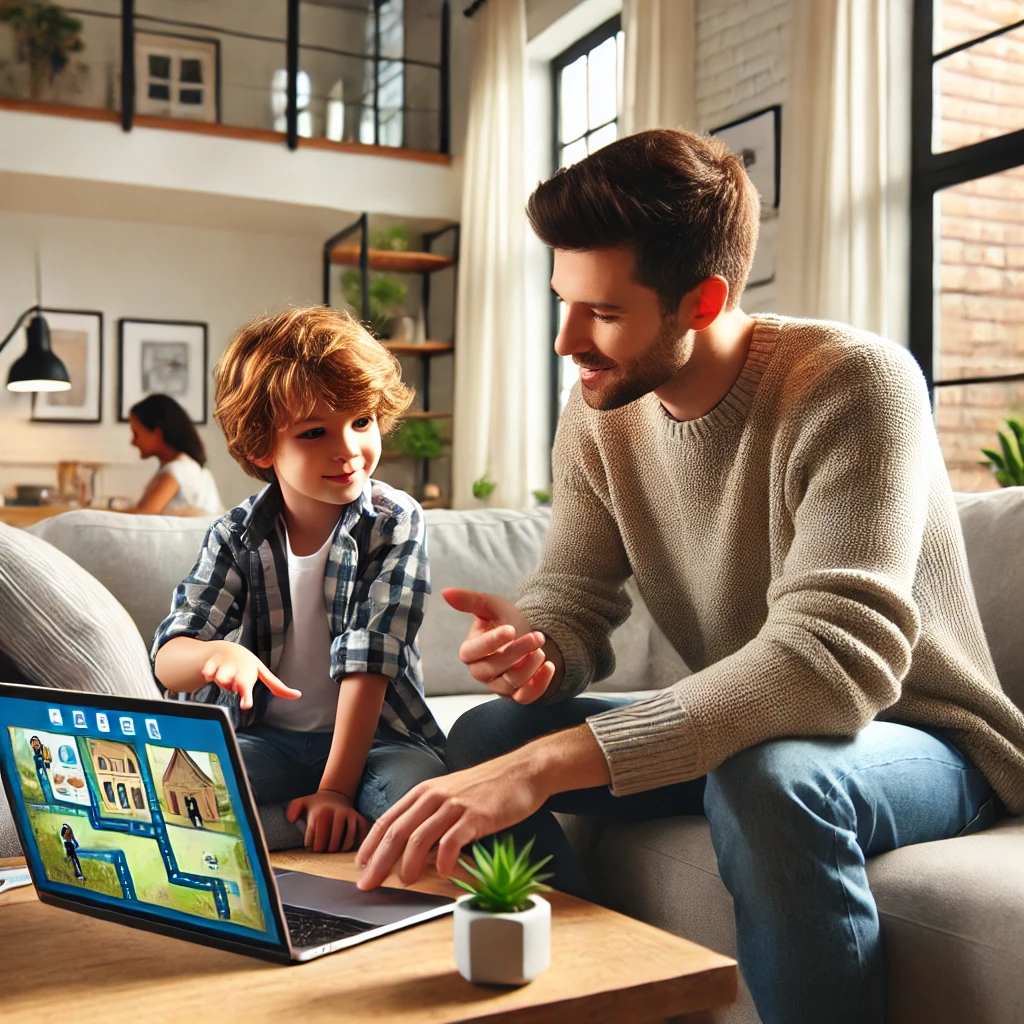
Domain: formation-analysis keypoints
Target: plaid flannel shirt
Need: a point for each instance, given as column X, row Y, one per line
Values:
column 375, row 587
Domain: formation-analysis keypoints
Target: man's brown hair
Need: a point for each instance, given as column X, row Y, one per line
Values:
column 681, row 201
column 279, row 365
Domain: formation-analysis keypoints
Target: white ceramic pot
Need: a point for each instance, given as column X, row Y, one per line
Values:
column 502, row 949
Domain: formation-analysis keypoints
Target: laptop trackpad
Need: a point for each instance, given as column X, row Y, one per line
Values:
column 334, row 896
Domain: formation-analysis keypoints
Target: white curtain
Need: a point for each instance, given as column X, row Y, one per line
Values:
column 658, row 88
column 843, row 249
column 501, row 424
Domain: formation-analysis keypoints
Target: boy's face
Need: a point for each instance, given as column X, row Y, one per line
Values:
column 327, row 457
column 615, row 329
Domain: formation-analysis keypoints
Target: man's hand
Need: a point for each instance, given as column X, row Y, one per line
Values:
column 332, row 823
column 235, row 668
column 501, row 650
column 449, row 812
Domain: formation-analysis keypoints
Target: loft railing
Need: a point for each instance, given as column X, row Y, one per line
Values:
column 346, row 71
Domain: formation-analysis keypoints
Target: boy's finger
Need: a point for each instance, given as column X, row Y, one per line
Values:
column 209, row 670
column 225, row 675
column 275, row 686
column 338, row 840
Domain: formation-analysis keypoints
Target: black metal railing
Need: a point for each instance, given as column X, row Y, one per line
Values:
column 360, row 70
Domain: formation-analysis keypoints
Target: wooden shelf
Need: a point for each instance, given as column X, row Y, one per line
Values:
column 388, row 259
column 425, row 348
column 435, row 503
column 420, row 415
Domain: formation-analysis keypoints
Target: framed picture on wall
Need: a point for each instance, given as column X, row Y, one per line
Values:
column 76, row 337
column 162, row 357
column 756, row 139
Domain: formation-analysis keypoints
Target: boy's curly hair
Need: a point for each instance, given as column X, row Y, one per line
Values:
column 279, row 365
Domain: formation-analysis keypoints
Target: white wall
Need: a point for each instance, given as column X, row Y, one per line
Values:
column 742, row 66
column 137, row 270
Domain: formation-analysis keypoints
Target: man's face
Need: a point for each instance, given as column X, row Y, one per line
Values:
column 328, row 456
column 614, row 328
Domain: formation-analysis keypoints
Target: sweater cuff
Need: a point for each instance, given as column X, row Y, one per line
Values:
column 579, row 662
column 647, row 744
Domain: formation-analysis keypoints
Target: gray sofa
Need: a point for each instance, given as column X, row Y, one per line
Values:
column 952, row 912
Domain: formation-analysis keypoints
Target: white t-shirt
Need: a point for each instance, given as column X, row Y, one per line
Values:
column 196, row 486
column 306, row 658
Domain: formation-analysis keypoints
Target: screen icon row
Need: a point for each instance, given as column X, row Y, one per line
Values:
column 103, row 723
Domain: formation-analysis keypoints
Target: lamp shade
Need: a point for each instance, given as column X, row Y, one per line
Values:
column 38, row 369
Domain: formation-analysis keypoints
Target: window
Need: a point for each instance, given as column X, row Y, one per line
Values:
column 587, row 90
column 131, row 767
column 279, row 102
column 138, row 799
column 382, row 120
column 176, row 76
column 108, row 789
column 102, row 764
column 967, row 238
column 122, row 795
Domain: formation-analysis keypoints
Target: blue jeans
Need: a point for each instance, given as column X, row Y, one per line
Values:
column 282, row 765
column 792, row 822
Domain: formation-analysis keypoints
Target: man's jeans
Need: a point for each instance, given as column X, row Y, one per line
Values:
column 792, row 822
column 282, row 765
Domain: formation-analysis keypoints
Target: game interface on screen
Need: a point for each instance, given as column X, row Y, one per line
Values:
column 137, row 820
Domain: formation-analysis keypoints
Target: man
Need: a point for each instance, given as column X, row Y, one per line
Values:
column 777, row 490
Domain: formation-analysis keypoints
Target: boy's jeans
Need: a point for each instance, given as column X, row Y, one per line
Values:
column 792, row 822
column 283, row 765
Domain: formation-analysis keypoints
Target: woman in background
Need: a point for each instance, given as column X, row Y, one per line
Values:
column 181, row 486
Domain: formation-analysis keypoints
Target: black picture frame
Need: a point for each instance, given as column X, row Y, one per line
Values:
column 775, row 113
column 196, row 396
column 41, row 404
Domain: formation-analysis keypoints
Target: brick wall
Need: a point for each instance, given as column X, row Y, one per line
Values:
column 742, row 60
column 980, row 312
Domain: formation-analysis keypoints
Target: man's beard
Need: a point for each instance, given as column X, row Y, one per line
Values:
column 660, row 361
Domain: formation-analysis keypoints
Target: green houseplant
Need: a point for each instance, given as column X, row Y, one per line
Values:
column 483, row 488
column 503, row 925
column 1008, row 464
column 45, row 36
column 386, row 296
column 417, row 439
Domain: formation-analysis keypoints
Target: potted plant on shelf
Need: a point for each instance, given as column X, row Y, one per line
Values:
column 503, row 927
column 417, row 439
column 45, row 36
column 386, row 295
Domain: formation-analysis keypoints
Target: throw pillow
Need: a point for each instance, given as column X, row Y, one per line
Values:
column 62, row 627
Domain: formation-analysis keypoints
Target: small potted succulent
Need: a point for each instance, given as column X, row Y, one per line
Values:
column 503, row 927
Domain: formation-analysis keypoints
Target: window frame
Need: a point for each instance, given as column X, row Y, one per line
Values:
column 607, row 30
column 933, row 172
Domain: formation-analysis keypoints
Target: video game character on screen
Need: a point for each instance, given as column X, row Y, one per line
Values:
column 137, row 821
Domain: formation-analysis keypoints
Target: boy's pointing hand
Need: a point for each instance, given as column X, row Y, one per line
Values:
column 236, row 669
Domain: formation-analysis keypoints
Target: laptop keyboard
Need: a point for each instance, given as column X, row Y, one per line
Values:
column 312, row 928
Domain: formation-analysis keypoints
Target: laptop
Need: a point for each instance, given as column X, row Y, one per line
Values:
column 139, row 811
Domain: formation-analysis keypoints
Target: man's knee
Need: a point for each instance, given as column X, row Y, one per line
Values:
column 498, row 726
column 774, row 777
column 489, row 730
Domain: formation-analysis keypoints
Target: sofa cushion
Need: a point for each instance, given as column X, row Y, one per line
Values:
column 140, row 559
column 62, row 627
column 993, row 525
column 952, row 912
column 491, row 550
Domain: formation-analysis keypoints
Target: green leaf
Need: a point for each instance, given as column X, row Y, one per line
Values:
column 994, row 457
column 1014, row 468
column 483, row 488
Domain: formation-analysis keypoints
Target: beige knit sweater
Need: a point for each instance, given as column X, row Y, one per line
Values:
column 799, row 546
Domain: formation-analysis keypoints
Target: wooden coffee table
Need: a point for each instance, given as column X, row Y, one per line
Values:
column 605, row 969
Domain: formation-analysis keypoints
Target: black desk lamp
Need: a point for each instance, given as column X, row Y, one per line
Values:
column 38, row 369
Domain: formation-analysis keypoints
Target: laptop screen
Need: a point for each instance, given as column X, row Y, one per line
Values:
column 134, row 811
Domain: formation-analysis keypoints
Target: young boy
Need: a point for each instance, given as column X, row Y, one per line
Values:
column 302, row 610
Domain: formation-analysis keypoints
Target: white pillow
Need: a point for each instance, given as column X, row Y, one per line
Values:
column 62, row 627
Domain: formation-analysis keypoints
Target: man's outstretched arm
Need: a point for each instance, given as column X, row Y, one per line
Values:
column 457, row 809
